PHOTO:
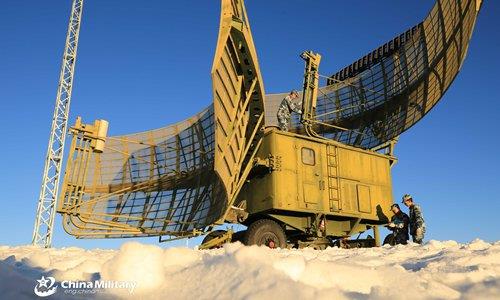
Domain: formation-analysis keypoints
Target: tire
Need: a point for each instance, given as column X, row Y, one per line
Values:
column 212, row 235
column 238, row 236
column 389, row 240
column 265, row 232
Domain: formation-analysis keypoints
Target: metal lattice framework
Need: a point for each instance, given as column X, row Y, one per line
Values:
column 45, row 214
column 180, row 179
column 159, row 181
column 385, row 92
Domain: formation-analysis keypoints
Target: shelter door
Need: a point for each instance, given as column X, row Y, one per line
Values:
column 310, row 173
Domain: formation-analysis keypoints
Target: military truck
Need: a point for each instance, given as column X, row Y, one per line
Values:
column 306, row 191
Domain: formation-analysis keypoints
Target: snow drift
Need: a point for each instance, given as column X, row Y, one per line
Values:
column 436, row 270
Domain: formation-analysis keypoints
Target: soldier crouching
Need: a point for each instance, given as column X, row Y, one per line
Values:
column 398, row 226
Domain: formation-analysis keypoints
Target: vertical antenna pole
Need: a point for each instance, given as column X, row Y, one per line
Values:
column 45, row 214
column 310, row 92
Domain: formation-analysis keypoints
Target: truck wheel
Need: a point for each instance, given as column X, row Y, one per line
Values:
column 265, row 232
column 238, row 236
column 389, row 240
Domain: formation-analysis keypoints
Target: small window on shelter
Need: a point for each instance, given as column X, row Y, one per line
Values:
column 308, row 156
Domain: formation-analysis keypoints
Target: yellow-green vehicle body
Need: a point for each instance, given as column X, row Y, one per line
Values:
column 318, row 185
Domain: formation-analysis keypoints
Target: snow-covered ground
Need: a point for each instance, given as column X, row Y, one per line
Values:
column 436, row 270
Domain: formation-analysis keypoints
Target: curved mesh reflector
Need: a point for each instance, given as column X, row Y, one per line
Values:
column 180, row 179
column 384, row 93
column 159, row 181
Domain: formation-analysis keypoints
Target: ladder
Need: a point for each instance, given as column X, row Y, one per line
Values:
column 333, row 178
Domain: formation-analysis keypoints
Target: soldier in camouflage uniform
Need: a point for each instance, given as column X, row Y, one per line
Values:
column 285, row 110
column 417, row 224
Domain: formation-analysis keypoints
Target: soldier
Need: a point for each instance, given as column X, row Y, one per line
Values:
column 417, row 224
column 285, row 110
column 398, row 226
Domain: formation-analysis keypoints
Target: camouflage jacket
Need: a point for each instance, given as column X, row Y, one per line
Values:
column 416, row 219
column 287, row 106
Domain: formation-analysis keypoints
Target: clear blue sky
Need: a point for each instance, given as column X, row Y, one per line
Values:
column 146, row 64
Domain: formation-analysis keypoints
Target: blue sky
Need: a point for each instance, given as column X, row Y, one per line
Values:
column 146, row 64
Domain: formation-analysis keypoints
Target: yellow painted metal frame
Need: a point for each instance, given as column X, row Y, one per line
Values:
column 238, row 97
